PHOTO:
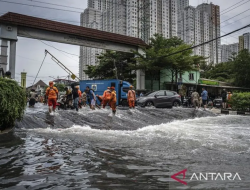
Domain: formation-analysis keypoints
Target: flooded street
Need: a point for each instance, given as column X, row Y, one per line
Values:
column 138, row 149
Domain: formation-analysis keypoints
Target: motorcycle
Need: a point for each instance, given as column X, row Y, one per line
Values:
column 61, row 103
column 187, row 102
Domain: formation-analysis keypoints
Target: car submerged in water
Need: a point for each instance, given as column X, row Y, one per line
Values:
column 160, row 99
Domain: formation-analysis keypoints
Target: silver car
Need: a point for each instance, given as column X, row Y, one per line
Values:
column 160, row 99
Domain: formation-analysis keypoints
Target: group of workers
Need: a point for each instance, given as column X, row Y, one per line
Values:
column 78, row 98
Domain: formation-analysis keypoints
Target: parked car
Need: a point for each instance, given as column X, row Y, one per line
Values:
column 160, row 99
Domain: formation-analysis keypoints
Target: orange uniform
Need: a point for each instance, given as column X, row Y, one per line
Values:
column 131, row 98
column 52, row 93
column 229, row 98
column 106, row 97
column 112, row 102
column 100, row 98
column 80, row 95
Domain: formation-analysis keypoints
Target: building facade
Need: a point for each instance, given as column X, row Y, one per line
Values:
column 136, row 18
column 199, row 25
column 244, row 42
column 241, row 43
column 214, row 30
column 227, row 51
column 90, row 18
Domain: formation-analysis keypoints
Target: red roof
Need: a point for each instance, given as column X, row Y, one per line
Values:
column 44, row 24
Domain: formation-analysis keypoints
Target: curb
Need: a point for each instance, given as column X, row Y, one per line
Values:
column 227, row 112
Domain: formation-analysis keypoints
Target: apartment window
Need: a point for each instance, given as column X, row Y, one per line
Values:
column 191, row 76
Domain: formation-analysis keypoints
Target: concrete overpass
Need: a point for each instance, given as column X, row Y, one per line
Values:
column 13, row 25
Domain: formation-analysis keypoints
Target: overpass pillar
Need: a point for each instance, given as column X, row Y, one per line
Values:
column 12, row 58
column 140, row 80
column 4, row 54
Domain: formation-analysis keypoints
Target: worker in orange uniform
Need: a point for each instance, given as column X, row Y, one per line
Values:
column 229, row 96
column 112, row 102
column 106, row 97
column 100, row 98
column 52, row 95
column 131, row 97
column 80, row 97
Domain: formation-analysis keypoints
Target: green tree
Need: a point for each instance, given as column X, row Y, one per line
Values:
column 153, row 60
column 12, row 102
column 60, row 87
column 162, row 54
column 113, row 65
column 221, row 72
column 241, row 69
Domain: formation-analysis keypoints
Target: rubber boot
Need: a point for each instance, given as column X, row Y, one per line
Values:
column 114, row 111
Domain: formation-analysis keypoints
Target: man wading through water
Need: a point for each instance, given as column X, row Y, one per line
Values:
column 195, row 98
column 91, row 98
column 52, row 94
column 224, row 98
column 32, row 100
column 204, row 96
column 75, row 97
column 112, row 102
column 131, row 97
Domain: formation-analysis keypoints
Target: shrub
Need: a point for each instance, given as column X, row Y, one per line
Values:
column 12, row 102
column 240, row 101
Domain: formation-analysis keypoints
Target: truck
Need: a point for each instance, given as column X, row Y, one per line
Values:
column 99, row 86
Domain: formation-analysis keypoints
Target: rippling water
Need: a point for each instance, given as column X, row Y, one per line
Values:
column 137, row 149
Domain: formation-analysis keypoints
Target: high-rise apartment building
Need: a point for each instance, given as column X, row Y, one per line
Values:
column 227, row 51
column 182, row 4
column 244, row 42
column 90, row 18
column 136, row 18
column 246, row 37
column 199, row 25
column 241, row 43
column 214, row 30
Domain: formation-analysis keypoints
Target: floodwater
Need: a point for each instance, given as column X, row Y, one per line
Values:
column 138, row 149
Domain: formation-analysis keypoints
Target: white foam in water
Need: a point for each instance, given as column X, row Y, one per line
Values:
column 202, row 130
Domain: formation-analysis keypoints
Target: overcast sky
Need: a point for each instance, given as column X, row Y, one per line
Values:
column 30, row 52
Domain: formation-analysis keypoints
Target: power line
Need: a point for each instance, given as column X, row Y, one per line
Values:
column 55, row 48
column 205, row 42
column 57, row 5
column 235, row 7
column 232, row 6
column 235, row 21
column 54, row 4
column 40, row 6
column 58, row 49
column 39, row 68
column 48, row 18
column 39, row 61
column 236, row 15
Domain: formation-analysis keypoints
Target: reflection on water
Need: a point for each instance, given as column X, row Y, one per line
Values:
column 69, row 151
